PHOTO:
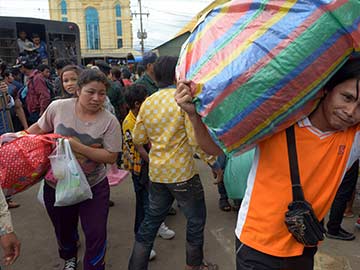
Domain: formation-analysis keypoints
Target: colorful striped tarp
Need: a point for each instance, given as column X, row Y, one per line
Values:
column 259, row 66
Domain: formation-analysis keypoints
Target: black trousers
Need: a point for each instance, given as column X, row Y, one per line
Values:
column 343, row 195
column 248, row 258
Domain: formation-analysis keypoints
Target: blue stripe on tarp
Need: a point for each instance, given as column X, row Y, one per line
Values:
column 219, row 42
column 268, row 41
column 271, row 91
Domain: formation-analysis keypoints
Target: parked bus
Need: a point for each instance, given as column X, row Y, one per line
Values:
column 62, row 38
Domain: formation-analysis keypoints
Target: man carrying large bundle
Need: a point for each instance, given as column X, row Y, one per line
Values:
column 327, row 143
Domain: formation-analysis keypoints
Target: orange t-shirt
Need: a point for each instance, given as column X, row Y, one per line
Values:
column 323, row 159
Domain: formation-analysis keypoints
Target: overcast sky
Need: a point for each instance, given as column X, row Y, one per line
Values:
column 166, row 17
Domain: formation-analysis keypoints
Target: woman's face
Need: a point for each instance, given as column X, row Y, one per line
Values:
column 92, row 96
column 69, row 79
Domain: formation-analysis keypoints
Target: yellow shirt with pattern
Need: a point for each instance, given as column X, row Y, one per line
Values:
column 162, row 123
column 131, row 157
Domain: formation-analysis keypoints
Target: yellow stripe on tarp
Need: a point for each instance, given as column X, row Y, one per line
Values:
column 223, row 11
column 290, row 102
column 283, row 11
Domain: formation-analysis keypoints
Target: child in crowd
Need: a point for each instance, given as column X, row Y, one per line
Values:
column 69, row 78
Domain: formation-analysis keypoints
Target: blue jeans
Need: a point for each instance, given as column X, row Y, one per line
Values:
column 141, row 188
column 222, row 191
column 190, row 197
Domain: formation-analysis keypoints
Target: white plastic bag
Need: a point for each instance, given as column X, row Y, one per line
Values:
column 58, row 162
column 74, row 187
column 40, row 195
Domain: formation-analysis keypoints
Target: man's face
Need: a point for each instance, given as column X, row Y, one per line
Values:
column 46, row 73
column 150, row 69
column 22, row 70
column 22, row 35
column 341, row 106
column 36, row 40
column 9, row 79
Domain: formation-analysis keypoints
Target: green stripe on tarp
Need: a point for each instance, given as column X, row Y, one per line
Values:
column 227, row 40
column 240, row 99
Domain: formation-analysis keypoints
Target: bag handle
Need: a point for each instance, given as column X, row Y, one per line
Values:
column 49, row 137
column 297, row 191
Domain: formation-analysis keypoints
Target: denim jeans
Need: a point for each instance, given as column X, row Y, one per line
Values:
column 190, row 197
column 141, row 188
column 222, row 191
column 248, row 258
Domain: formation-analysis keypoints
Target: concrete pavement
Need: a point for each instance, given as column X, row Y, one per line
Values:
column 39, row 249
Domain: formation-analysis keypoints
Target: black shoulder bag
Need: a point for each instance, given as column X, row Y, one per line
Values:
column 300, row 219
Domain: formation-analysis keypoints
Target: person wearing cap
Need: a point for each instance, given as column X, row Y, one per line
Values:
column 22, row 40
column 31, row 53
column 148, row 79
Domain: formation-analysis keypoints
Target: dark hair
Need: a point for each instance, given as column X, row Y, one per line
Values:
column 103, row 66
column 15, row 71
column 28, row 65
column 140, row 69
column 42, row 67
column 135, row 93
column 350, row 70
column 67, row 68
column 164, row 69
column 6, row 73
column 60, row 63
column 91, row 75
column 116, row 72
column 126, row 73
column 35, row 35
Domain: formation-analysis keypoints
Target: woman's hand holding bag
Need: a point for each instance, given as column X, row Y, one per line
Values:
column 72, row 186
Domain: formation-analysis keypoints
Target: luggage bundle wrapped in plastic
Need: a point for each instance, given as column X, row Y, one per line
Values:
column 258, row 66
column 23, row 160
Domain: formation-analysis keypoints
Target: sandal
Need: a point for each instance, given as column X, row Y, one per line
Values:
column 224, row 205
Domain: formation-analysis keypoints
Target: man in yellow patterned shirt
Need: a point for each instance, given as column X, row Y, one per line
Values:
column 136, row 161
column 172, row 170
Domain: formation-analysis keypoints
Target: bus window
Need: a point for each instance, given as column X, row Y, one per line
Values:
column 32, row 28
column 8, row 45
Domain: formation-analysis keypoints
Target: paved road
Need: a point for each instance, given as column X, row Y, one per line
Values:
column 39, row 251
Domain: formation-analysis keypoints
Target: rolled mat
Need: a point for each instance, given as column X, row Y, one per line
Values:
column 258, row 66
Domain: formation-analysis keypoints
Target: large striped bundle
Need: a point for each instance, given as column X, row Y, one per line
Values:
column 257, row 66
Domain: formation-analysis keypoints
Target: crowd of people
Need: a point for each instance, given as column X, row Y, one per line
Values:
column 149, row 118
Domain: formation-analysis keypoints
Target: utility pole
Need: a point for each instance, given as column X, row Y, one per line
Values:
column 141, row 34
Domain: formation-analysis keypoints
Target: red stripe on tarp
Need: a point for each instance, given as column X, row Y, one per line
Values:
column 226, row 23
column 265, row 60
column 336, row 51
column 219, row 56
